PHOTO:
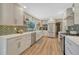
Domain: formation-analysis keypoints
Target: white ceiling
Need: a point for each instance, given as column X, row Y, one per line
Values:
column 46, row 10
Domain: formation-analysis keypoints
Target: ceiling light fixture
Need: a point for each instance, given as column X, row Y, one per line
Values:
column 24, row 6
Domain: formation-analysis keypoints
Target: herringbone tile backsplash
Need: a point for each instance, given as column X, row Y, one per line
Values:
column 5, row 30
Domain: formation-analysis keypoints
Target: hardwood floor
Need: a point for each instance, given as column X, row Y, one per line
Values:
column 45, row 46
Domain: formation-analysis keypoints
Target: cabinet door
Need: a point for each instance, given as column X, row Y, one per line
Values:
column 37, row 36
column 28, row 40
column 24, row 42
column 76, row 13
column 7, row 14
column 18, row 15
column 76, row 17
column 11, row 46
column 20, row 44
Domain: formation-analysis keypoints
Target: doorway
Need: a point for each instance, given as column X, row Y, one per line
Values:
column 58, row 24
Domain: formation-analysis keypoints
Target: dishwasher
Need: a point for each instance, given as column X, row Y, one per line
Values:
column 33, row 38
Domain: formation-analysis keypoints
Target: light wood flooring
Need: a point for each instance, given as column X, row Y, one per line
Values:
column 45, row 46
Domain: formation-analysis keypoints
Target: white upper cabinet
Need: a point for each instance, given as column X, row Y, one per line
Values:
column 0, row 13
column 69, row 16
column 7, row 17
column 11, row 14
column 69, row 11
column 18, row 16
column 76, row 13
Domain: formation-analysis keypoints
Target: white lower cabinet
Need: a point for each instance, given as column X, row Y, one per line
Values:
column 71, row 48
column 28, row 44
column 20, row 44
column 45, row 33
column 11, row 46
column 15, row 45
column 39, row 34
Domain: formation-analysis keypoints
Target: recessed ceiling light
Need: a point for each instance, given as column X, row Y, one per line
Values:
column 24, row 6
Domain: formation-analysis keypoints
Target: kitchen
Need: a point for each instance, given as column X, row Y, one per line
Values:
column 36, row 28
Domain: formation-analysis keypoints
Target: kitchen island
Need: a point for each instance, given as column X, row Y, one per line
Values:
column 69, row 43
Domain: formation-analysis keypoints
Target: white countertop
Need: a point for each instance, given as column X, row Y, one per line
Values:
column 14, row 35
column 75, row 39
column 19, row 34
